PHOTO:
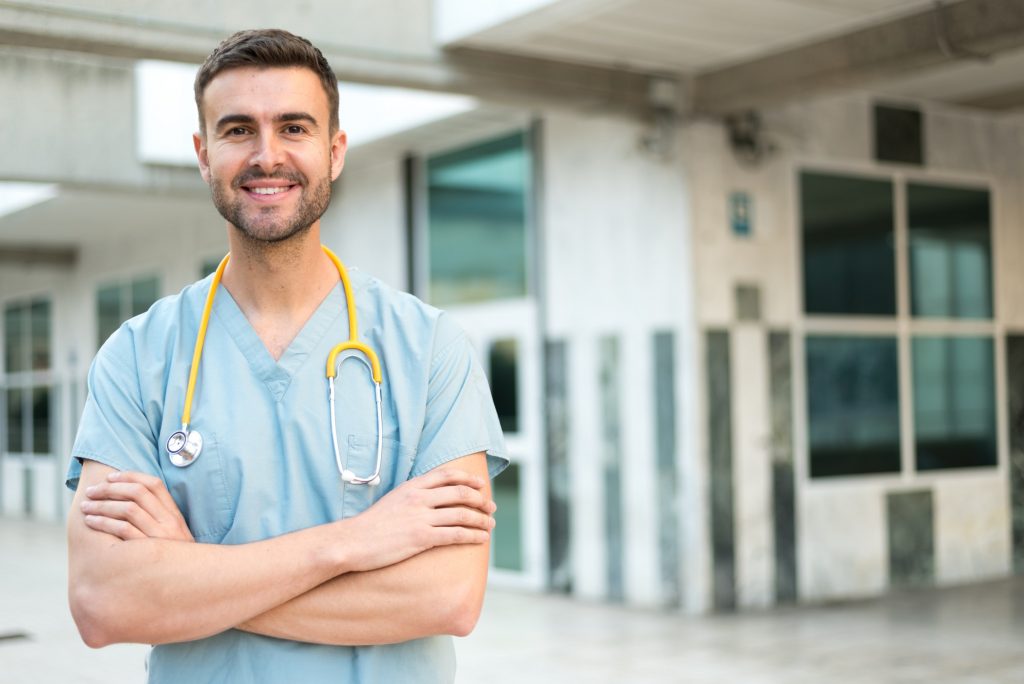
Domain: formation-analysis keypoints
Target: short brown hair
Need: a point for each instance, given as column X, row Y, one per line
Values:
column 266, row 48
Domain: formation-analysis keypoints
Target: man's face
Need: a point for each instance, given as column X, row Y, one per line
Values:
column 267, row 153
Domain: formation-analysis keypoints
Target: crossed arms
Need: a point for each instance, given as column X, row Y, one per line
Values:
column 412, row 565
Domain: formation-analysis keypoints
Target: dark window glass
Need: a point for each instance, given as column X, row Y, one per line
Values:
column 15, row 337
column 41, row 420
column 950, row 251
column 209, row 266
column 853, row 405
column 108, row 312
column 508, row 534
column 477, row 222
column 40, row 320
column 15, row 431
column 848, row 254
column 899, row 135
column 954, row 402
column 503, row 362
column 145, row 291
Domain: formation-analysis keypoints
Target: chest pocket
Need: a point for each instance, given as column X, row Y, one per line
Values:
column 360, row 456
column 200, row 490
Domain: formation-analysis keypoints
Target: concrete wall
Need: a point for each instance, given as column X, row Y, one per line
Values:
column 615, row 224
column 841, row 526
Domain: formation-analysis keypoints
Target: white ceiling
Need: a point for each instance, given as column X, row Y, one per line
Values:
column 686, row 36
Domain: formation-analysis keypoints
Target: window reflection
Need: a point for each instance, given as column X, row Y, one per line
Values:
column 503, row 363
column 852, row 405
column 508, row 534
column 118, row 302
column 950, row 252
column 477, row 222
column 954, row 402
column 848, row 257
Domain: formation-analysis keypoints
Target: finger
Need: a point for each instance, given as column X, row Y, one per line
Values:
column 119, row 528
column 441, row 477
column 127, row 511
column 461, row 517
column 128, row 491
column 154, row 484
column 458, row 495
column 445, row 536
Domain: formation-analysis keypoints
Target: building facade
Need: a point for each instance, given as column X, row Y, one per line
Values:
column 740, row 360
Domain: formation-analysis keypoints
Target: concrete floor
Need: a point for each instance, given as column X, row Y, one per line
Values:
column 967, row 634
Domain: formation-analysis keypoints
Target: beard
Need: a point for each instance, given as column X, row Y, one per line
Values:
column 270, row 225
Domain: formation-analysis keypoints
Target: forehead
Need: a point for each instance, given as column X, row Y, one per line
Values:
column 263, row 92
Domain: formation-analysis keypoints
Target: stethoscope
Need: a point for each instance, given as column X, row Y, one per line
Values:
column 185, row 445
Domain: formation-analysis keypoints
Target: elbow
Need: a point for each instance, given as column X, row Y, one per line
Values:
column 91, row 619
column 463, row 610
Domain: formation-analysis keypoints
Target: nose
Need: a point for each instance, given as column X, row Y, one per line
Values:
column 269, row 153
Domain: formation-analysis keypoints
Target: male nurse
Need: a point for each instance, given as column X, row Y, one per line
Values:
column 257, row 561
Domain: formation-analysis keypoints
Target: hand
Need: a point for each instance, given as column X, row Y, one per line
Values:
column 134, row 506
column 442, row 507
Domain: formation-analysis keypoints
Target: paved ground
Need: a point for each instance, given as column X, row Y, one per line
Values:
column 968, row 634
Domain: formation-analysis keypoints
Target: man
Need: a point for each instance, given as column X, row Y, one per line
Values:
column 257, row 562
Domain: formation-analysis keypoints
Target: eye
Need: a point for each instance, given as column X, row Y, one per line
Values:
column 237, row 130
column 294, row 129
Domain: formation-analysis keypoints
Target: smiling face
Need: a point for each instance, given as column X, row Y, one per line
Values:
column 267, row 153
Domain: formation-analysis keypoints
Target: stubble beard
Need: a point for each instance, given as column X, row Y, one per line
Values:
column 267, row 227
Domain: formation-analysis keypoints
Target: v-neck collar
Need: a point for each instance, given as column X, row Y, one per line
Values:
column 277, row 375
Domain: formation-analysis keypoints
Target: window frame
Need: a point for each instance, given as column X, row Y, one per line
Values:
column 28, row 380
column 903, row 326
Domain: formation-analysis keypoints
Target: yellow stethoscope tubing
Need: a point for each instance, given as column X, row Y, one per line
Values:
column 197, row 353
column 353, row 343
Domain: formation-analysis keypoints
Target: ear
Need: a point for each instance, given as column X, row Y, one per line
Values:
column 339, row 145
column 199, row 142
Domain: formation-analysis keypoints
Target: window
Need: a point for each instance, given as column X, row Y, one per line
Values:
column 853, row 407
column 853, row 237
column 117, row 302
column 950, row 252
column 508, row 534
column 28, row 395
column 849, row 262
column 477, row 200
column 899, row 135
column 503, row 362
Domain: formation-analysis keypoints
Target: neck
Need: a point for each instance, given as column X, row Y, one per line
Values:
column 278, row 279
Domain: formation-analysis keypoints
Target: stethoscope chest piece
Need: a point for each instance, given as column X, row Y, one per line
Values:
column 184, row 446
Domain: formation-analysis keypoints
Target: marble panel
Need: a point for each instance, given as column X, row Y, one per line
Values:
column 911, row 525
column 1015, row 419
column 972, row 529
column 611, row 448
column 556, row 402
column 752, row 467
column 748, row 302
column 667, row 474
column 780, row 382
column 719, row 414
column 842, row 541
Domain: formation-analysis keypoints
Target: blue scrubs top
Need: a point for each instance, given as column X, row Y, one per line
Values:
column 267, row 466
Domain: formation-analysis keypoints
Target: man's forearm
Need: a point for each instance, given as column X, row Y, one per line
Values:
column 425, row 595
column 159, row 591
column 439, row 591
column 134, row 577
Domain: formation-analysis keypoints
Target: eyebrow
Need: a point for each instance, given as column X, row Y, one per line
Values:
column 229, row 119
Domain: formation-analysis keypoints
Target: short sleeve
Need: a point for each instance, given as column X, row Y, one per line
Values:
column 460, row 417
column 114, row 429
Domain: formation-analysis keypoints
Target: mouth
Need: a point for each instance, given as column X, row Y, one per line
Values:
column 268, row 193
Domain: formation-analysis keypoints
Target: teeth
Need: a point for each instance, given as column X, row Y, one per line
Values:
column 268, row 191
